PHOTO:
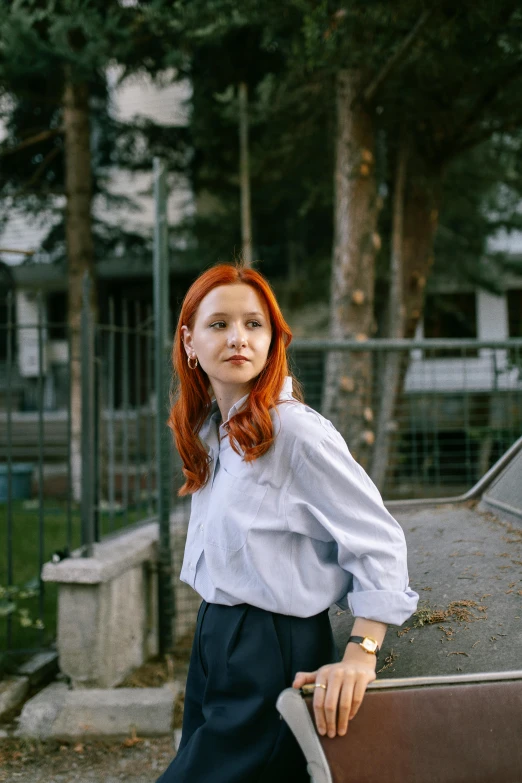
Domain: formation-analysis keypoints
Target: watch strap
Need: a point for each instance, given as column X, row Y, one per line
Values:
column 359, row 640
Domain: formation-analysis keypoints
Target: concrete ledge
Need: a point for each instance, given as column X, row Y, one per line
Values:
column 60, row 713
column 107, row 608
column 108, row 604
column 12, row 693
column 110, row 558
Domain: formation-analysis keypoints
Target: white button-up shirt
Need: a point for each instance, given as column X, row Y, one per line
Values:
column 298, row 529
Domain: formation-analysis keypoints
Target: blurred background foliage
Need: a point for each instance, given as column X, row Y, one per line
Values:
column 454, row 91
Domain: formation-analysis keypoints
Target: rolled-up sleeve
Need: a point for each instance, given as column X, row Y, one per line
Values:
column 331, row 498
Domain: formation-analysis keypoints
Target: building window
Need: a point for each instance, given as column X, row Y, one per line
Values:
column 451, row 316
column 57, row 315
column 6, row 287
column 514, row 299
column 514, row 302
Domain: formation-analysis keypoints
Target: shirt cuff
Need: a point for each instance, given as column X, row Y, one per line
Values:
column 392, row 608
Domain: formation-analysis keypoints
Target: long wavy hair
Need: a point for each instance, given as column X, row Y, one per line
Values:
column 250, row 430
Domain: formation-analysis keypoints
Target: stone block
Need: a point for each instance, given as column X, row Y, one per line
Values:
column 108, row 604
column 61, row 713
column 107, row 608
column 111, row 557
column 103, row 631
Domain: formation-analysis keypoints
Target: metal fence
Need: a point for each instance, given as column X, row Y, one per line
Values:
column 460, row 407
column 43, row 515
column 458, row 410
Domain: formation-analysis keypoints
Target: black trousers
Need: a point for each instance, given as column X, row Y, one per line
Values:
column 242, row 658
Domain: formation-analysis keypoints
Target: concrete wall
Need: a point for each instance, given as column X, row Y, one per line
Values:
column 103, row 629
column 108, row 606
column 107, row 609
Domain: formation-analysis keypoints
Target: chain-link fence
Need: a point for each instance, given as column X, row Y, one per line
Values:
column 458, row 406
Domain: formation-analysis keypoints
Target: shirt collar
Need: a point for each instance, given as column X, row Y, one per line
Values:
column 209, row 429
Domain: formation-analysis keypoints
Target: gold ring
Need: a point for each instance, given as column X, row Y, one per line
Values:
column 320, row 685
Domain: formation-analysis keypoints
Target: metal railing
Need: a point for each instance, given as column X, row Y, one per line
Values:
column 116, row 470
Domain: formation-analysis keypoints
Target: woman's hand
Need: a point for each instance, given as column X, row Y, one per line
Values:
column 345, row 685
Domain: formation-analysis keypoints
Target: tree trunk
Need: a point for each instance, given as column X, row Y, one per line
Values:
column 348, row 376
column 244, row 176
column 80, row 250
column 420, row 221
column 421, row 217
column 391, row 361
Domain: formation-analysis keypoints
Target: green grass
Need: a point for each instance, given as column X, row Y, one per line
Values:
column 26, row 563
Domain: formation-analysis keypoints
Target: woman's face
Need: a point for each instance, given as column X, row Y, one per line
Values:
column 231, row 337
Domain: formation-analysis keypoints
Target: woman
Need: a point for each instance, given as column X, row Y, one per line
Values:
column 284, row 523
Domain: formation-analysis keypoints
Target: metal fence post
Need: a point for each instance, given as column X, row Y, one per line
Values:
column 41, row 525
column 96, row 484
column 88, row 444
column 162, row 346
column 9, row 521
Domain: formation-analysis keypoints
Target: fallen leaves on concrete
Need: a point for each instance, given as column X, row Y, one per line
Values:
column 459, row 611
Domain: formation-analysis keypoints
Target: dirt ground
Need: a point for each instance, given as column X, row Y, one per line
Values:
column 134, row 761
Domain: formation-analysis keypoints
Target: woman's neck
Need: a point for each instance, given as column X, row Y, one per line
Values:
column 226, row 396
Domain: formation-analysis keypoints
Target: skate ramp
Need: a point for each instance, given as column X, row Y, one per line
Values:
column 465, row 562
column 504, row 496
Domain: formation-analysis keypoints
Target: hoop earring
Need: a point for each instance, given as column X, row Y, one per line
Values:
column 194, row 359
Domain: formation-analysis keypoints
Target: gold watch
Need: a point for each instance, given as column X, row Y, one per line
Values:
column 368, row 644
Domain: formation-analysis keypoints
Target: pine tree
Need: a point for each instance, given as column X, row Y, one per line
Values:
column 53, row 61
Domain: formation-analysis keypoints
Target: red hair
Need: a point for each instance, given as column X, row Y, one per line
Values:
column 251, row 431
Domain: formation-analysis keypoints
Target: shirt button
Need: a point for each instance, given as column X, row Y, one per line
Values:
column 201, row 527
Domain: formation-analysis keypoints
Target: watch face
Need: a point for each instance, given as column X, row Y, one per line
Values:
column 370, row 645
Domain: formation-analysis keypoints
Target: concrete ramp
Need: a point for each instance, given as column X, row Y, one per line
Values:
column 504, row 496
column 465, row 562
